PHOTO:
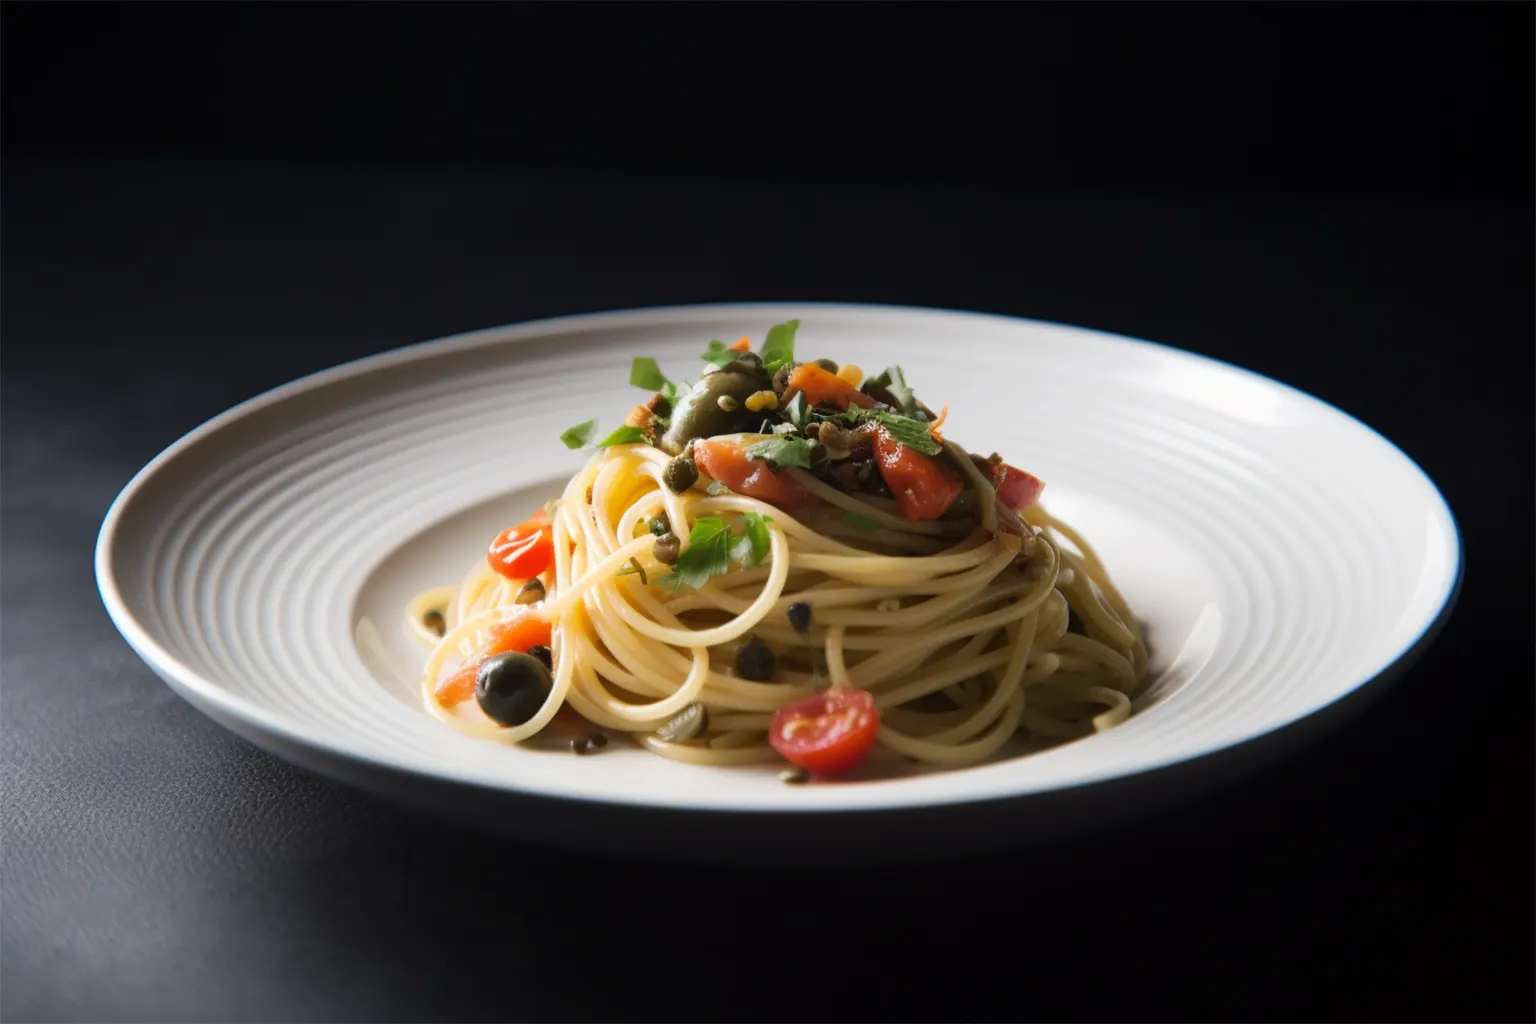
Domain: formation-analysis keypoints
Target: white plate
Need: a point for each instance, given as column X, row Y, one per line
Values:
column 1280, row 553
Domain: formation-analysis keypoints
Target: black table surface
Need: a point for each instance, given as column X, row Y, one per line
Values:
column 158, row 868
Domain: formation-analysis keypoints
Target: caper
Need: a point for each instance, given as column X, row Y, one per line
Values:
column 666, row 549
column 511, row 687
column 755, row 661
column 435, row 622
column 781, row 379
column 800, row 617
column 699, row 413
column 660, row 525
column 795, row 776
column 543, row 654
column 680, row 474
column 598, row 740
column 692, row 721
column 827, row 364
column 531, row 592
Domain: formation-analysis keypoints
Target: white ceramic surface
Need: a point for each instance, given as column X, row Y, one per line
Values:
column 1280, row 553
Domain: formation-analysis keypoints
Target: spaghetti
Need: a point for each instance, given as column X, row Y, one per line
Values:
column 728, row 597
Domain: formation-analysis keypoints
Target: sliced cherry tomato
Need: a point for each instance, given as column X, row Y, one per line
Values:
column 1017, row 489
column 827, row 734
column 725, row 459
column 525, row 550
column 519, row 634
column 823, row 389
column 742, row 345
column 924, row 487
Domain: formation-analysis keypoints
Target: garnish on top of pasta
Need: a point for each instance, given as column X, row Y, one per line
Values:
column 784, row 561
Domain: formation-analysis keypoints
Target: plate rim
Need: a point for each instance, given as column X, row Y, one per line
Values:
column 208, row 696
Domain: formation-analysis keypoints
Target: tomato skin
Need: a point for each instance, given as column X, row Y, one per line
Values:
column 517, row 634
column 827, row 734
column 924, row 487
column 823, row 389
column 725, row 459
column 1018, row 489
column 523, row 551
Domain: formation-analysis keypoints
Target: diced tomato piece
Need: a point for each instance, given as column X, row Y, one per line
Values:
column 725, row 460
column 742, row 345
column 823, row 390
column 518, row 634
column 1016, row 488
column 525, row 550
column 924, row 487
column 827, row 734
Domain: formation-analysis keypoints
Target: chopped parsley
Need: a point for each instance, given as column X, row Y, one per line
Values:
column 712, row 545
column 645, row 373
column 625, row 435
column 910, row 432
column 579, row 435
column 864, row 523
column 782, row 452
column 779, row 347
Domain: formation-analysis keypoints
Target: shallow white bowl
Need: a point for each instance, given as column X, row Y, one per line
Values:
column 1281, row 554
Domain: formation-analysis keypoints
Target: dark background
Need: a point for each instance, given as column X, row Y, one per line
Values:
column 204, row 201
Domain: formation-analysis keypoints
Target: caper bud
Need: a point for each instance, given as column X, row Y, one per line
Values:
column 796, row 775
column 435, row 622
column 827, row 364
column 660, row 525
column 531, row 592
column 666, row 549
column 800, row 617
column 755, row 661
column 680, row 474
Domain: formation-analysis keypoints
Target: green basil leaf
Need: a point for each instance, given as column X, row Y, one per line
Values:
column 719, row 353
column 779, row 347
column 579, row 435
column 782, row 452
column 645, row 373
column 625, row 435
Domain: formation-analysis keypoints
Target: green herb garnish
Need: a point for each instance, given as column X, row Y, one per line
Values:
column 625, row 435
column 645, row 373
column 864, row 523
column 782, row 452
column 894, row 381
column 912, row 433
column 797, row 412
column 579, row 435
column 719, row 353
column 779, row 347
column 716, row 489
column 712, row 545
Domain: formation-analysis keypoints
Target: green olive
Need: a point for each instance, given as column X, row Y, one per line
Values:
column 699, row 413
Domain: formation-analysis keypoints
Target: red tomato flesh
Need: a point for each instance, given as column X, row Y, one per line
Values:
column 924, row 487
column 725, row 460
column 525, row 550
column 1017, row 489
column 519, row 634
column 827, row 734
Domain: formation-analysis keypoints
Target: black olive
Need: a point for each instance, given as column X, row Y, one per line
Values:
column 680, row 474
column 666, row 549
column 755, row 661
column 827, row 364
column 544, row 655
column 660, row 525
column 800, row 617
column 698, row 413
column 511, row 687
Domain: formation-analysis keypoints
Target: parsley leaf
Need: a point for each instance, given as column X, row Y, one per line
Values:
column 779, row 347
column 625, row 435
column 753, row 543
column 719, row 353
column 712, row 546
column 782, row 452
column 909, row 432
column 864, row 523
column 708, row 554
column 579, row 435
column 894, row 381
column 645, row 373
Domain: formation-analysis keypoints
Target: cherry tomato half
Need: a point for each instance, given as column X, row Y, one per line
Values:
column 517, row 634
column 924, row 487
column 1017, row 489
column 525, row 550
column 827, row 734
column 725, row 460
